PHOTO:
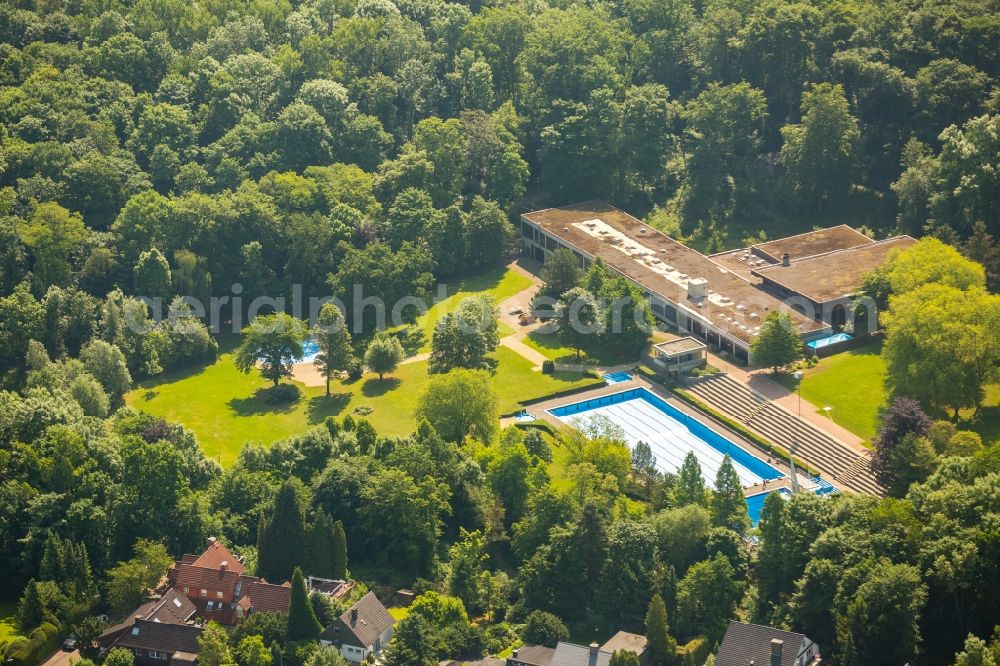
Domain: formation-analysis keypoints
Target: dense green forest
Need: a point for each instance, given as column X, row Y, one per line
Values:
column 165, row 148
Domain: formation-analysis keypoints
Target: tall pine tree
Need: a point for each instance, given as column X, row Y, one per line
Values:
column 319, row 546
column 662, row 646
column 281, row 541
column 729, row 507
column 339, row 551
column 302, row 622
column 690, row 488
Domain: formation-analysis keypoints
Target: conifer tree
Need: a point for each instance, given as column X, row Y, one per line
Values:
column 29, row 608
column 319, row 546
column 729, row 507
column 339, row 551
column 282, row 543
column 690, row 488
column 662, row 646
column 53, row 565
column 302, row 622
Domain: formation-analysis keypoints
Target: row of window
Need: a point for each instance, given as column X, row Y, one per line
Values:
column 153, row 654
column 204, row 592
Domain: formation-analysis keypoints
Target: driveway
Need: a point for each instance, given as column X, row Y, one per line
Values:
column 61, row 658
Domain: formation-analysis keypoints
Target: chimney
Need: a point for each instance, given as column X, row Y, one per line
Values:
column 786, row 259
column 354, row 616
column 513, row 654
column 211, row 541
column 594, row 647
column 776, row 644
column 224, row 564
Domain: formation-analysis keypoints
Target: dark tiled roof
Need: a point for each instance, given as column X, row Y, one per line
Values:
column 537, row 655
column 746, row 644
column 172, row 608
column 570, row 654
column 170, row 638
column 371, row 622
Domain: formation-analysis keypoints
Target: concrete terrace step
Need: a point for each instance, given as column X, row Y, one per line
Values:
column 811, row 444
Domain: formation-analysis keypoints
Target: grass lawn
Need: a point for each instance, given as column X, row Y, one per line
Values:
column 220, row 404
column 398, row 612
column 501, row 283
column 8, row 621
column 548, row 345
column 852, row 383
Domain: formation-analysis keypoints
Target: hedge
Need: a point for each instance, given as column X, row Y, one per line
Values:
column 39, row 644
column 772, row 448
column 562, row 394
column 698, row 649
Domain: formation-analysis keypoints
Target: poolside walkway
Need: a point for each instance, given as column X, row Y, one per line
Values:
column 540, row 410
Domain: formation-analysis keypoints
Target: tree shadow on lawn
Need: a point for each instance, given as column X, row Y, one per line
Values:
column 257, row 404
column 412, row 338
column 375, row 387
column 323, row 406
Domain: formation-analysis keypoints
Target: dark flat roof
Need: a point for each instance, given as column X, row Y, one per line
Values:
column 834, row 275
column 811, row 243
column 568, row 224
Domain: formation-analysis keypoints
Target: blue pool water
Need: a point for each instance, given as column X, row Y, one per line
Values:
column 617, row 377
column 830, row 340
column 670, row 433
column 309, row 350
column 755, row 503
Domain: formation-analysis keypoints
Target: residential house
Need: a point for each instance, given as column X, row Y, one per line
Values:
column 365, row 629
column 765, row 646
column 531, row 655
column 172, row 608
column 570, row 654
column 217, row 584
column 634, row 643
column 161, row 643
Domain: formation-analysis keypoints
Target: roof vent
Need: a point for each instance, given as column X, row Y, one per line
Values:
column 786, row 259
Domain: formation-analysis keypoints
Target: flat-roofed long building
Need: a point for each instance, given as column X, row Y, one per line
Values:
column 720, row 299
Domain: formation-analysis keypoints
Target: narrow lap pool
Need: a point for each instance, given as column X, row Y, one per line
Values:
column 830, row 340
column 671, row 434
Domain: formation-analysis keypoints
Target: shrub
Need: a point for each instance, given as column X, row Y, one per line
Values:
column 355, row 369
column 281, row 394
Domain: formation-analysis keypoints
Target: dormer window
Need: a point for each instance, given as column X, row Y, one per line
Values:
column 211, row 605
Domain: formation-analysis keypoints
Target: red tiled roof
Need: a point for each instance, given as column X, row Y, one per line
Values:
column 197, row 578
column 267, row 596
column 216, row 555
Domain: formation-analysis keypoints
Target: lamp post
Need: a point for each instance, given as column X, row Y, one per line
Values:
column 795, row 435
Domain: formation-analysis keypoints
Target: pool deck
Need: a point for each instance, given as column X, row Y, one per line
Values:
column 540, row 411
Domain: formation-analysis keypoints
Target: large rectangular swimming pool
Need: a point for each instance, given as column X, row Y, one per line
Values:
column 669, row 432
